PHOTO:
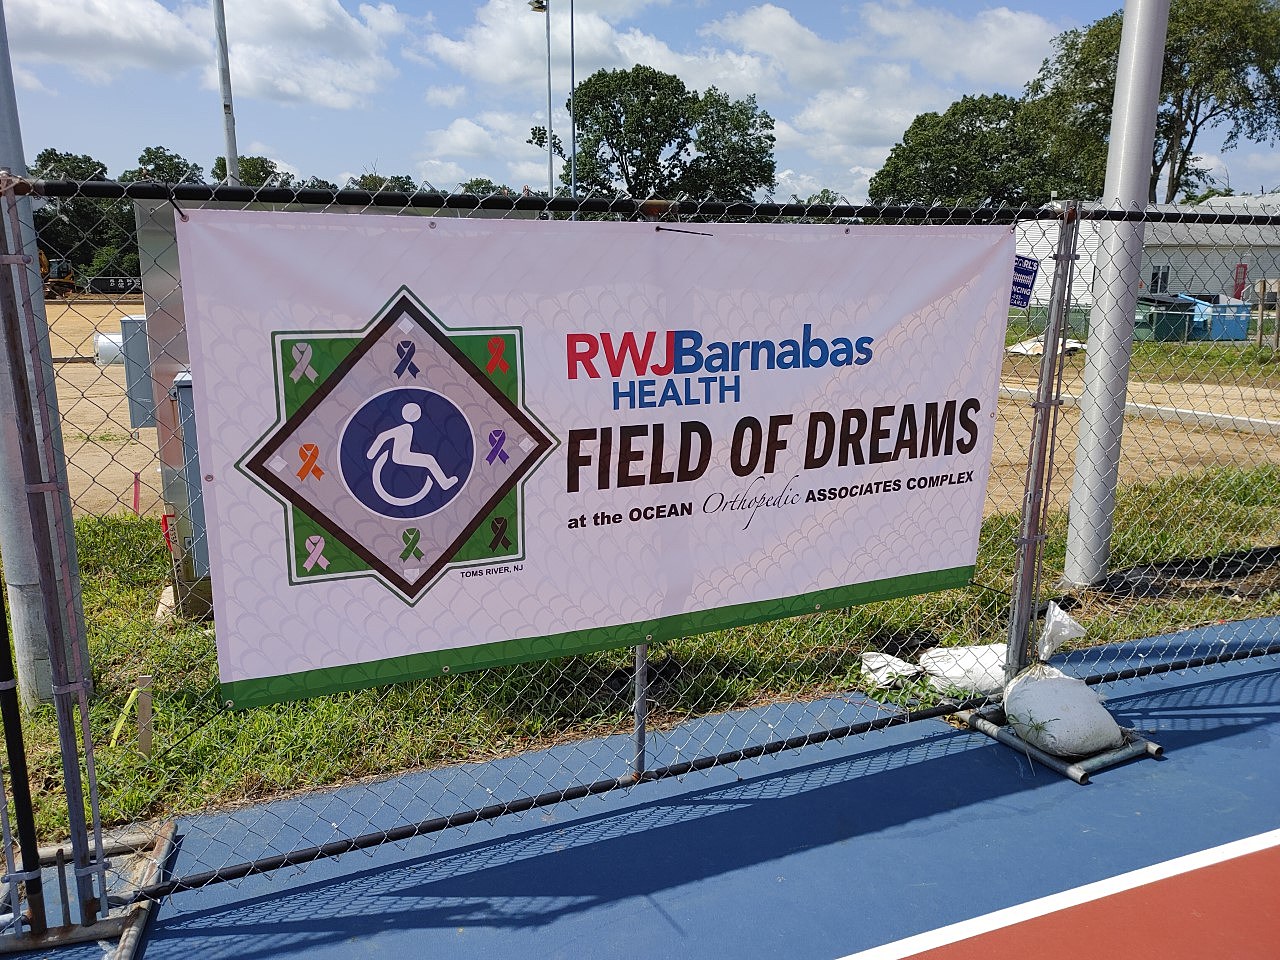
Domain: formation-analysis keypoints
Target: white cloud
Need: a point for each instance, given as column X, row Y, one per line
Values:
column 504, row 46
column 98, row 40
column 790, row 48
column 998, row 47
column 1255, row 171
column 442, row 175
column 462, row 138
column 384, row 19
column 444, row 96
column 25, row 79
column 306, row 51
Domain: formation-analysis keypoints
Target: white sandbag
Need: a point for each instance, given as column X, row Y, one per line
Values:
column 1059, row 714
column 973, row 669
column 886, row 670
column 1059, row 627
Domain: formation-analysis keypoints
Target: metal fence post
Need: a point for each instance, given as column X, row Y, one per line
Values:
column 641, row 709
column 1026, row 577
column 1115, row 289
column 46, row 490
column 23, row 814
column 30, row 638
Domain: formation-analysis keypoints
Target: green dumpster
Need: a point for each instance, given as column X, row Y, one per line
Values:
column 1163, row 318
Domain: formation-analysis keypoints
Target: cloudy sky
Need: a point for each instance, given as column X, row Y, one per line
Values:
column 446, row 91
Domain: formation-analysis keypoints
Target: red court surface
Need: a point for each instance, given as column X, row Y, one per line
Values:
column 1221, row 903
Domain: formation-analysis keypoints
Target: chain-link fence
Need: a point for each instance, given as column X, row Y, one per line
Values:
column 1186, row 508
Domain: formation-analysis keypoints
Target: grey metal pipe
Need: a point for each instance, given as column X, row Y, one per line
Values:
column 551, row 177
column 45, row 490
column 30, row 638
column 23, row 812
column 1026, row 577
column 1106, row 374
column 641, row 709
column 224, row 82
column 1072, row 771
column 573, row 117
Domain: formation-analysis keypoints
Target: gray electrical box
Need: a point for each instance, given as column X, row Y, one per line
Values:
column 192, row 541
column 137, row 371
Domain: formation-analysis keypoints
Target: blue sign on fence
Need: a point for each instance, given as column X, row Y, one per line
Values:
column 1024, row 278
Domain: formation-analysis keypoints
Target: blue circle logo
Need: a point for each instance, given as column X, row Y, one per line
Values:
column 406, row 453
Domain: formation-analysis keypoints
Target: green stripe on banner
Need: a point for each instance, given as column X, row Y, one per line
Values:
column 314, row 683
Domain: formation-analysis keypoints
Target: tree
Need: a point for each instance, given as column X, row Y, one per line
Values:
column 1221, row 70
column 162, row 165
column 375, row 182
column 484, row 187
column 981, row 151
column 644, row 132
column 970, row 155
column 79, row 228
column 254, row 172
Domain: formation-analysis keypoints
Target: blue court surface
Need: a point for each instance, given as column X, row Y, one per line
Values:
column 825, row 852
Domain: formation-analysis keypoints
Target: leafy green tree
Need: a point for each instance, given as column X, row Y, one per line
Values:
column 981, row 151
column 162, row 165
column 825, row 197
column 967, row 156
column 375, row 182
column 317, row 183
column 645, row 133
column 254, row 172
column 77, row 228
column 1221, row 71
column 484, row 187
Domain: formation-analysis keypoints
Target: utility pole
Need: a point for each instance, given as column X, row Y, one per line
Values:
column 17, row 541
column 1115, row 292
column 224, row 80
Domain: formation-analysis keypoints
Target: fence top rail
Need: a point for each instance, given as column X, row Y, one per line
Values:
column 621, row 205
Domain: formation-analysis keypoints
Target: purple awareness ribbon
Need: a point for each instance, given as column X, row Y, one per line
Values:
column 405, row 349
column 496, row 439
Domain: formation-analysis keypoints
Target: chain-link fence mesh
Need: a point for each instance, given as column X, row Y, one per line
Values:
column 1196, row 541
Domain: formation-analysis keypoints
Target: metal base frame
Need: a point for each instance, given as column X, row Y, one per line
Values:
column 1076, row 770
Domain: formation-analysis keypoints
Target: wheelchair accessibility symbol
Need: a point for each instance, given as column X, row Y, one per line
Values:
column 406, row 453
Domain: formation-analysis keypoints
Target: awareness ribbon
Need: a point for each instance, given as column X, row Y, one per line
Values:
column 498, row 527
column 309, row 453
column 302, row 363
column 497, row 347
column 496, row 439
column 405, row 349
column 316, row 557
column 411, row 536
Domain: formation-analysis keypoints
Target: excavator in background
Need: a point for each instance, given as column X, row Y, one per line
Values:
column 59, row 277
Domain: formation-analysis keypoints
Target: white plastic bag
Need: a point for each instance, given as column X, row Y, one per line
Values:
column 1059, row 627
column 886, row 670
column 1059, row 714
column 973, row 669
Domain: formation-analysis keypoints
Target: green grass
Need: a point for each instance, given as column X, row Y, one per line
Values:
column 1206, row 361
column 205, row 755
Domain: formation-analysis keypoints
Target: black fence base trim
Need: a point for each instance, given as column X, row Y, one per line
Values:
column 1190, row 663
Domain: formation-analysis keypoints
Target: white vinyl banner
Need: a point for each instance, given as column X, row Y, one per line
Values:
column 438, row 445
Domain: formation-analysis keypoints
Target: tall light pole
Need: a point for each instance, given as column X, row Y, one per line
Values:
column 544, row 7
column 573, row 117
column 224, row 82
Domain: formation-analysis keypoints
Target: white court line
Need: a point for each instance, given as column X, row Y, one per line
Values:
column 944, row 936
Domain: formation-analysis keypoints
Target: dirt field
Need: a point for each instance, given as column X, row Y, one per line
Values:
column 105, row 456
